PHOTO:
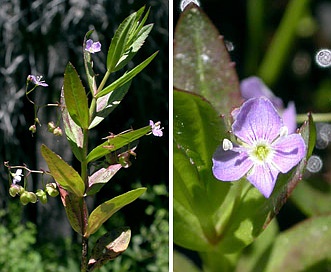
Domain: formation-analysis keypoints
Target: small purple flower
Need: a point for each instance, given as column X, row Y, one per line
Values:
column 37, row 80
column 253, row 87
column 264, row 147
column 17, row 177
column 156, row 128
column 92, row 47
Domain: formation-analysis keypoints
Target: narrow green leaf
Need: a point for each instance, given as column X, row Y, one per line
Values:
column 89, row 65
column 76, row 210
column 63, row 173
column 107, row 103
column 116, row 142
column 104, row 211
column 75, row 97
column 118, row 43
column 126, row 77
column 202, row 63
column 305, row 247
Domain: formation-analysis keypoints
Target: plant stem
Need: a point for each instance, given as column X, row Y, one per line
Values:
column 214, row 261
column 317, row 117
column 103, row 82
column 84, row 254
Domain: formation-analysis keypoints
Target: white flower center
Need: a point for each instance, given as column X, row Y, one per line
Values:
column 261, row 152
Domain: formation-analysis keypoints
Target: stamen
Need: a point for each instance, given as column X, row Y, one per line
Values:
column 227, row 145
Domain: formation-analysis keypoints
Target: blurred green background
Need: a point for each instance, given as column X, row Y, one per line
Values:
column 40, row 37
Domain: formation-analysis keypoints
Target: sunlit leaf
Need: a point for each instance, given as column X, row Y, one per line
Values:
column 104, row 211
column 117, row 141
column 75, row 97
column 63, row 173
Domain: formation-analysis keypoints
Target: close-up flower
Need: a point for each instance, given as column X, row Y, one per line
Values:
column 92, row 47
column 156, row 128
column 37, row 80
column 263, row 149
column 254, row 87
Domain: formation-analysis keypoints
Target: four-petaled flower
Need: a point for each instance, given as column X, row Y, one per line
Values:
column 37, row 80
column 156, row 128
column 17, row 177
column 92, row 47
column 264, row 147
column 254, row 87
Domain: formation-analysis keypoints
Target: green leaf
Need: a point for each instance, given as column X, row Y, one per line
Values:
column 182, row 263
column 101, row 177
column 305, row 247
column 73, row 132
column 126, row 77
column 75, row 97
column 76, row 210
column 63, row 173
column 119, row 41
column 107, row 103
column 115, row 142
column 202, row 63
column 104, row 211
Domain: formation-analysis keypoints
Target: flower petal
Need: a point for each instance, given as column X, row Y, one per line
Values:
column 289, row 151
column 263, row 177
column 229, row 165
column 289, row 117
column 257, row 119
column 253, row 87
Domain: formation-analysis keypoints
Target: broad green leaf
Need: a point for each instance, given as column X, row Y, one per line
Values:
column 118, row 43
column 89, row 65
column 305, row 247
column 104, row 211
column 115, row 142
column 63, row 173
column 202, row 63
column 73, row 132
column 126, row 77
column 183, row 263
column 109, row 246
column 76, row 210
column 75, row 97
column 98, row 179
column 107, row 103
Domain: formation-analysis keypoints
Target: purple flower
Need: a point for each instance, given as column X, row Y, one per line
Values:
column 92, row 47
column 253, row 87
column 264, row 147
column 156, row 128
column 37, row 80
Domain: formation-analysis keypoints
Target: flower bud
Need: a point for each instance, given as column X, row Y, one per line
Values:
column 33, row 128
column 42, row 196
column 32, row 197
column 51, row 126
column 57, row 131
column 51, row 189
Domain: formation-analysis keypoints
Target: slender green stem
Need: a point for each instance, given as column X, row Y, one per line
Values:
column 103, row 82
column 281, row 44
column 214, row 261
column 317, row 117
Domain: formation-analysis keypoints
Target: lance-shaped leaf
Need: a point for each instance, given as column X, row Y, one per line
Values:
column 107, row 103
column 63, row 173
column 75, row 97
column 202, row 63
column 101, row 177
column 73, row 132
column 116, row 142
column 104, row 211
column 76, row 210
column 109, row 246
column 126, row 77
